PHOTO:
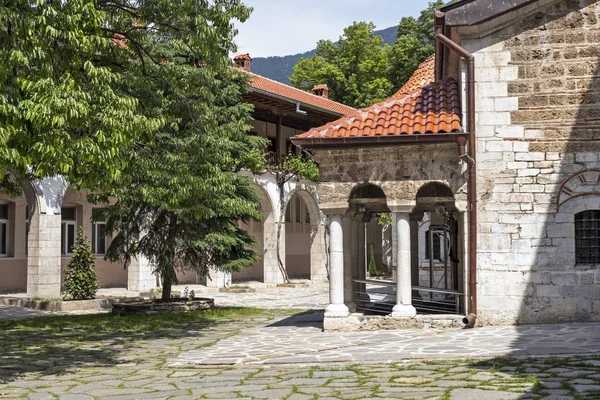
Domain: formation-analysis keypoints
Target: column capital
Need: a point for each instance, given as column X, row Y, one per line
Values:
column 341, row 211
column 401, row 208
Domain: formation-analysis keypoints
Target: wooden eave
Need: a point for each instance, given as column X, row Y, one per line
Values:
column 376, row 141
column 475, row 12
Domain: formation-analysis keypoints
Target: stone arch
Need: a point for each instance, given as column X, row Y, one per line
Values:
column 305, row 247
column 265, row 233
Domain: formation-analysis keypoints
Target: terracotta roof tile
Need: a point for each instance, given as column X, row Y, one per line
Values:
column 424, row 75
column 433, row 109
column 280, row 89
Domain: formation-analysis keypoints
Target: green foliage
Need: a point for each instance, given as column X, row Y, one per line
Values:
column 354, row 68
column 65, row 106
column 181, row 196
column 281, row 68
column 372, row 263
column 360, row 69
column 385, row 219
column 306, row 169
column 414, row 43
column 81, row 281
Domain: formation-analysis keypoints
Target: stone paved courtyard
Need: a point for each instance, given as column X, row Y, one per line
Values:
column 283, row 354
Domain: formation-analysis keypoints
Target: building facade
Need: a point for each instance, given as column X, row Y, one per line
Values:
column 500, row 154
column 35, row 250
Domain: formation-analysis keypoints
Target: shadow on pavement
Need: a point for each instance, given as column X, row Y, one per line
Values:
column 312, row 318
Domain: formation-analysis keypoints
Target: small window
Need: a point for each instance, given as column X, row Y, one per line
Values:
column 437, row 245
column 587, row 237
column 98, row 232
column 68, row 228
column 4, row 225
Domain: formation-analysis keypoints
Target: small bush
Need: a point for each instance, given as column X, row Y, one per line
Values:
column 81, row 281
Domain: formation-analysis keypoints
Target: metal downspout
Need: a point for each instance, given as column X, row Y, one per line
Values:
column 469, row 158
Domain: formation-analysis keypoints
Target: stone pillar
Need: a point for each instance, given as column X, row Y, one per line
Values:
column 336, row 308
column 414, row 247
column 403, row 307
column 348, row 294
column 362, row 262
column 44, row 256
column 355, row 257
column 44, row 239
column 140, row 277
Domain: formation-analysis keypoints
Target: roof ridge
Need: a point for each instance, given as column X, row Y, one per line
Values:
column 298, row 90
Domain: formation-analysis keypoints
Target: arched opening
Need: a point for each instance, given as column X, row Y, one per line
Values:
column 302, row 221
column 261, row 230
column 436, row 251
column 371, row 288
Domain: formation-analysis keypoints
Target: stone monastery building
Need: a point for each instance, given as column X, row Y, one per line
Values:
column 488, row 161
column 474, row 189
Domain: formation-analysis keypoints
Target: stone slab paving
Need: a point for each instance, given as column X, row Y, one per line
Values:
column 300, row 339
column 285, row 355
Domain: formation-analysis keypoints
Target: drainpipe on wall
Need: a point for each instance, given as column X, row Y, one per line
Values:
column 470, row 157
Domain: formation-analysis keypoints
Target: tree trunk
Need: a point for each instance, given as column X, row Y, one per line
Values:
column 281, row 183
column 166, row 294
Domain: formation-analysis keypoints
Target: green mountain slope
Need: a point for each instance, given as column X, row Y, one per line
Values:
column 281, row 68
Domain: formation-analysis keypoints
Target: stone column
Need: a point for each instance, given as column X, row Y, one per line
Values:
column 318, row 250
column 44, row 239
column 415, row 218
column 355, row 257
column 218, row 279
column 336, row 308
column 362, row 262
column 140, row 277
column 403, row 307
column 347, row 232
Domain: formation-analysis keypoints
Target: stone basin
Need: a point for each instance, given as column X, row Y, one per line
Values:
column 152, row 306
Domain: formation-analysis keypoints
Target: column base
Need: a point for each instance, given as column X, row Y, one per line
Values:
column 337, row 311
column 403, row 311
column 351, row 306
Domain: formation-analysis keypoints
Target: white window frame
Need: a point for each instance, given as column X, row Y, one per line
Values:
column 6, row 221
column 96, row 237
column 64, row 247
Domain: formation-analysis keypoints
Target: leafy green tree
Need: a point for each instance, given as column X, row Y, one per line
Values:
column 414, row 43
column 81, row 281
column 181, row 195
column 65, row 107
column 354, row 68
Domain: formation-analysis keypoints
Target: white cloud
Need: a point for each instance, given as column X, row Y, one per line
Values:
column 282, row 27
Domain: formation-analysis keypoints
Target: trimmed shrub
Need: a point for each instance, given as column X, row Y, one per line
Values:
column 81, row 281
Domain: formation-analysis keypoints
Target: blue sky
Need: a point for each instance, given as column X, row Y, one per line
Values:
column 282, row 27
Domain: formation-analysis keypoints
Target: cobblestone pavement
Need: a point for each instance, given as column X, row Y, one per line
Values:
column 285, row 355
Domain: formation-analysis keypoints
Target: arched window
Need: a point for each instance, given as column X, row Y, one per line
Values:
column 587, row 237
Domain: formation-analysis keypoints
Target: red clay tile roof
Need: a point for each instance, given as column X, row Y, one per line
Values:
column 433, row 109
column 423, row 76
column 309, row 99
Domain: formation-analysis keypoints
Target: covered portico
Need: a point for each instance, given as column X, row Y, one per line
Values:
column 397, row 159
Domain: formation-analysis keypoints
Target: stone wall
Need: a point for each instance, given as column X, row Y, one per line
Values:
column 538, row 118
column 400, row 171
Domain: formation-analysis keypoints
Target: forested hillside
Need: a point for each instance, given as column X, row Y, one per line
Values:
column 281, row 68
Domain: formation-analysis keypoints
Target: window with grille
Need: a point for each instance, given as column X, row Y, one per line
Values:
column 587, row 237
column 437, row 245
